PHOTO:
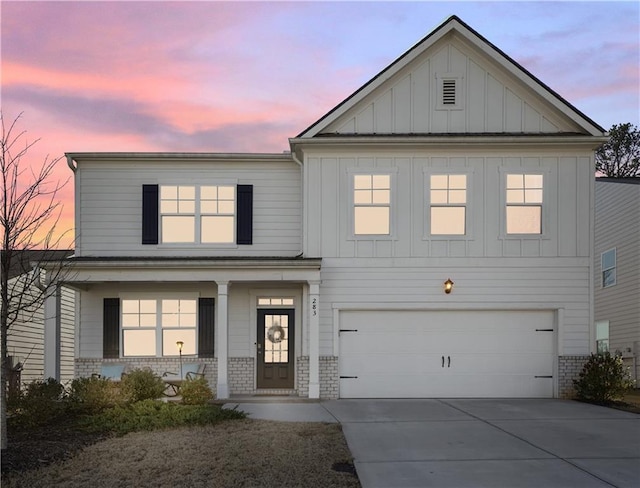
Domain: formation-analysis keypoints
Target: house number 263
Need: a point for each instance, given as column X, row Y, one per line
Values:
column 314, row 306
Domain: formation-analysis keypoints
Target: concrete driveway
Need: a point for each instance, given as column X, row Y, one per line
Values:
column 477, row 443
column 490, row 443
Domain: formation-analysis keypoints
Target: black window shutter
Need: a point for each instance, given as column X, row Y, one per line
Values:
column 206, row 316
column 111, row 328
column 149, row 214
column 244, row 218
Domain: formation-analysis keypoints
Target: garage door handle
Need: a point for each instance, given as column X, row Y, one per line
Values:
column 448, row 361
column 443, row 361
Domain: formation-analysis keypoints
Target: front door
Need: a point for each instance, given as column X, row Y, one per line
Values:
column 275, row 348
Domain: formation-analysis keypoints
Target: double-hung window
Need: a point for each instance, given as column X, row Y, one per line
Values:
column 524, row 193
column 602, row 336
column 448, row 200
column 608, row 265
column 372, row 204
column 152, row 327
column 197, row 214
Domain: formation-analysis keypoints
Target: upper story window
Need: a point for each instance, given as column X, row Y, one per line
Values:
column 608, row 265
column 372, row 204
column 448, row 200
column 524, row 203
column 153, row 327
column 197, row 214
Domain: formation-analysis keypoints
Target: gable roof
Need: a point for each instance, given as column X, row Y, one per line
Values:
column 455, row 25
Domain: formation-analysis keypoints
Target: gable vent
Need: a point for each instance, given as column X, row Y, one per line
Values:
column 448, row 92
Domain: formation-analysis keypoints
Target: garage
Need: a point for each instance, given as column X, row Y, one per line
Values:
column 446, row 354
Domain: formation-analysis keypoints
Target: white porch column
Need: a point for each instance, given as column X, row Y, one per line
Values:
column 51, row 324
column 314, row 339
column 222, row 351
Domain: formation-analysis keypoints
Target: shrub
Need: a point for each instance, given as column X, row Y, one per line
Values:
column 196, row 392
column 141, row 384
column 154, row 414
column 41, row 401
column 92, row 395
column 603, row 378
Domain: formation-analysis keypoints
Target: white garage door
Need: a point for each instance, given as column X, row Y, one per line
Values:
column 447, row 354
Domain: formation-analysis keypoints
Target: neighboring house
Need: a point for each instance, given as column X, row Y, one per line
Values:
column 321, row 272
column 41, row 340
column 617, row 269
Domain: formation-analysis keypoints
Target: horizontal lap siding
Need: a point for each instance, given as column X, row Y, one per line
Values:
column 618, row 225
column 110, row 206
column 553, row 284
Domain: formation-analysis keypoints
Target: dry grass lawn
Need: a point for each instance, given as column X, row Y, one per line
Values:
column 237, row 453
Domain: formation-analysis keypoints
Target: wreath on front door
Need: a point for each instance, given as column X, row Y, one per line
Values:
column 276, row 333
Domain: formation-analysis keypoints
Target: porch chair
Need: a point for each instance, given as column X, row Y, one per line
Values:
column 113, row 372
column 173, row 381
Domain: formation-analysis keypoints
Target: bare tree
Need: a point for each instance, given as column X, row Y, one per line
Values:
column 619, row 157
column 29, row 213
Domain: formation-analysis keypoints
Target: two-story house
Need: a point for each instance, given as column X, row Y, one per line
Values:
column 430, row 236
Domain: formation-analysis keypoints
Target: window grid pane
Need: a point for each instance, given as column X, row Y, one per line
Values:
column 524, row 197
column 448, row 198
column 372, row 201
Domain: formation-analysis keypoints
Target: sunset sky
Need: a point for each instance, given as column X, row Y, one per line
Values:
column 243, row 77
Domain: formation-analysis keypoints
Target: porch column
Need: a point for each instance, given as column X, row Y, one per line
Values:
column 314, row 339
column 222, row 351
column 52, row 333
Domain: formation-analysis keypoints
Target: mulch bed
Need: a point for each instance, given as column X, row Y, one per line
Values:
column 40, row 446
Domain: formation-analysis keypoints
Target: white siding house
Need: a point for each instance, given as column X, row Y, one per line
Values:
column 617, row 268
column 41, row 338
column 321, row 272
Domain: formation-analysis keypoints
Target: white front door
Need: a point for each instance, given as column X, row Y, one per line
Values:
column 427, row 354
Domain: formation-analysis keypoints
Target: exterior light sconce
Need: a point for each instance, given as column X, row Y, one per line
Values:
column 448, row 286
column 179, row 344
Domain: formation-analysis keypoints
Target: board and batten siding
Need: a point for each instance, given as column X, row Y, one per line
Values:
column 490, row 100
column 479, row 284
column 617, row 225
column 109, row 206
column 567, row 227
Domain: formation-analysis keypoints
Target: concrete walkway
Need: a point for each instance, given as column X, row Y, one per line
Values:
column 478, row 443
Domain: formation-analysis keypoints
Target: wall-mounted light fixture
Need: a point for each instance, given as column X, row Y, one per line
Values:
column 448, row 286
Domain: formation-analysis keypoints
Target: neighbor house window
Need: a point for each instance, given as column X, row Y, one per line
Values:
column 524, row 203
column 152, row 327
column 602, row 336
column 448, row 199
column 608, row 263
column 202, row 214
column 372, row 204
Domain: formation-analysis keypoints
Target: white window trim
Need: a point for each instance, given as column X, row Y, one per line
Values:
column 392, row 173
column 615, row 266
column 546, row 198
column 426, row 204
column 197, row 215
column 158, row 297
column 460, row 92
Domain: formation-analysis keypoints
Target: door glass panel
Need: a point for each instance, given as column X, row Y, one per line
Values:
column 276, row 334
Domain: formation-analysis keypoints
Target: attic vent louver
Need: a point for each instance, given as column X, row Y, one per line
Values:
column 448, row 92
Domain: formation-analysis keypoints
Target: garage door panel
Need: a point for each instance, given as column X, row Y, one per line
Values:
column 486, row 354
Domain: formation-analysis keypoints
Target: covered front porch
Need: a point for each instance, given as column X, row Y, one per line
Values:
column 264, row 325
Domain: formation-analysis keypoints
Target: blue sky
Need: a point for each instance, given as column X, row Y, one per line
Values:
column 243, row 77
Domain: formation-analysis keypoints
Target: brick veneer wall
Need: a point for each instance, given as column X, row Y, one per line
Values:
column 241, row 376
column 569, row 368
column 85, row 367
column 328, row 377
